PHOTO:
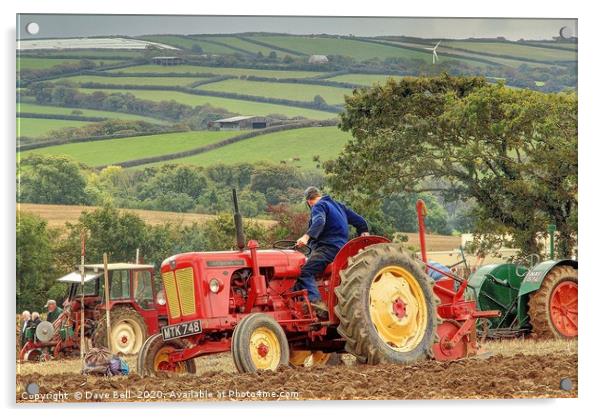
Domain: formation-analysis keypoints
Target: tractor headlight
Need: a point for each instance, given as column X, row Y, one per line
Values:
column 161, row 298
column 215, row 285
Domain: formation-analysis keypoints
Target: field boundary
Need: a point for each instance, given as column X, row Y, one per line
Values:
column 28, row 115
column 220, row 144
column 199, row 92
column 268, row 45
column 56, row 142
column 24, row 83
column 446, row 54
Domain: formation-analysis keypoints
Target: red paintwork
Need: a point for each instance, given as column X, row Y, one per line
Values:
column 457, row 332
column 275, row 272
column 94, row 310
column 399, row 308
column 563, row 308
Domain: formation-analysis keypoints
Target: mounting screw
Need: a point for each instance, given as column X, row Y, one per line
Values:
column 32, row 388
column 566, row 384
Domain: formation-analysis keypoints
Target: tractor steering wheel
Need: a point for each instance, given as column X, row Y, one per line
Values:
column 291, row 244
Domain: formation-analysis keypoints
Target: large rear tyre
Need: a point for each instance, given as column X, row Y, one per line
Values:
column 128, row 331
column 386, row 307
column 259, row 343
column 154, row 357
column 553, row 308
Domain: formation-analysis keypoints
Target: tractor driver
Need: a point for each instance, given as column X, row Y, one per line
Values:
column 327, row 233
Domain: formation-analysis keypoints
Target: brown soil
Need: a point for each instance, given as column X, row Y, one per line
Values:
column 516, row 376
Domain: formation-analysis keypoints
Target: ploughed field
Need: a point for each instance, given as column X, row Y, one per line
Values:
column 516, row 369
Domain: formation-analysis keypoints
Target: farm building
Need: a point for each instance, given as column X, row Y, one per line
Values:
column 318, row 59
column 241, row 123
column 168, row 60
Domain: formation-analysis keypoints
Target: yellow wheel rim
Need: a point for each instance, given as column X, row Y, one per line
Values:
column 265, row 349
column 162, row 364
column 299, row 357
column 398, row 308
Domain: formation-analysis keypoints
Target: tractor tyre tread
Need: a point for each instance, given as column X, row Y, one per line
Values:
column 99, row 337
column 352, row 309
column 539, row 309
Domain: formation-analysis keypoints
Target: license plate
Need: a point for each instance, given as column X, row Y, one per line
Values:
column 181, row 330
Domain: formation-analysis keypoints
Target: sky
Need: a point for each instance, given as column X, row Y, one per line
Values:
column 132, row 25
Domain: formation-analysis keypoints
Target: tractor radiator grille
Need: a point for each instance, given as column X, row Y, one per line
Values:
column 171, row 293
column 185, row 280
column 179, row 290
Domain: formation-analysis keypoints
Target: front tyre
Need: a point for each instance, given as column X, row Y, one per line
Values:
column 154, row 357
column 259, row 343
column 386, row 307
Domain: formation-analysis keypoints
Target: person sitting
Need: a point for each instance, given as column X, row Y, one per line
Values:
column 53, row 311
column 327, row 233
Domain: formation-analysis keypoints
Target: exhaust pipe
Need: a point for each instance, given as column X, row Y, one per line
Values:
column 240, row 234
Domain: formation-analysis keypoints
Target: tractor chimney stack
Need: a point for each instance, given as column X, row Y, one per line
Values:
column 240, row 234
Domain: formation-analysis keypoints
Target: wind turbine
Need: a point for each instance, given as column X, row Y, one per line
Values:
column 434, row 49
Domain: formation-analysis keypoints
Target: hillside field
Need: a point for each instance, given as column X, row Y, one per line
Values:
column 242, row 107
column 58, row 215
column 195, row 69
column 25, row 107
column 39, row 128
column 154, row 81
column 289, row 91
column 304, row 144
column 104, row 152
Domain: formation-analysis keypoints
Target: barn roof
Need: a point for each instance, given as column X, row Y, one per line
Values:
column 234, row 119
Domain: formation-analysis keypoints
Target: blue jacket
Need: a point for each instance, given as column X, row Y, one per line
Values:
column 329, row 222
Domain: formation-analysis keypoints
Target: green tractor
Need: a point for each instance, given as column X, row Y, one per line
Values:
column 539, row 299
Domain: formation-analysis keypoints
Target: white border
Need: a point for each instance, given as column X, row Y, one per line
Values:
column 589, row 215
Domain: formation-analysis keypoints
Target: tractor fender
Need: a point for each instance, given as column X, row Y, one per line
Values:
column 532, row 282
column 535, row 276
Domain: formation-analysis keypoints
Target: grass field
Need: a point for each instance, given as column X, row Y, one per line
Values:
column 189, row 43
column 303, row 144
column 37, row 108
column 290, row 91
column 333, row 46
column 242, row 44
column 46, row 63
column 363, row 79
column 242, row 107
column 515, row 50
column 471, row 58
column 559, row 45
column 38, row 128
column 195, row 69
column 160, row 81
column 119, row 150
column 118, row 54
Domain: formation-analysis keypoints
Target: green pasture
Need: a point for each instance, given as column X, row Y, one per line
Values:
column 38, row 128
column 119, row 150
column 290, row 91
column 515, row 50
column 295, row 147
column 243, row 107
column 238, row 72
column 154, row 81
column 68, row 111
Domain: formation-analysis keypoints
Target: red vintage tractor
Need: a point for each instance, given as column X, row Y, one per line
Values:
column 137, row 310
column 382, row 307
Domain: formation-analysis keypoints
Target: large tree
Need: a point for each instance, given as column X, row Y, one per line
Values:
column 50, row 180
column 513, row 152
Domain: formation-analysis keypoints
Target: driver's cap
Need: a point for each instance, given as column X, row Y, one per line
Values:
column 310, row 193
